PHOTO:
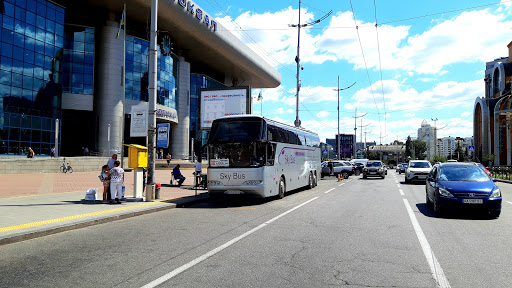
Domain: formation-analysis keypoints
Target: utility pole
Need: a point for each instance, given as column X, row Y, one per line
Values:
column 355, row 131
column 297, row 58
column 338, row 148
column 365, row 132
column 361, row 126
column 150, row 193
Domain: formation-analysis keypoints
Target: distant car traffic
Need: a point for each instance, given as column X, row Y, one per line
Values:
column 375, row 169
column 462, row 185
column 401, row 168
column 417, row 170
column 336, row 167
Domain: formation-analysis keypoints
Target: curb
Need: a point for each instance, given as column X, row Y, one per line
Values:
column 177, row 203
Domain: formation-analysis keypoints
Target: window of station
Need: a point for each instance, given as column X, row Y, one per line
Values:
column 137, row 73
column 78, row 63
column 31, row 38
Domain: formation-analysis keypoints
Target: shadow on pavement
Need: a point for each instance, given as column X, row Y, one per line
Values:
column 460, row 214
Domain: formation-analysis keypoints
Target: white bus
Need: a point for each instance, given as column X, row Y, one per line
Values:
column 256, row 156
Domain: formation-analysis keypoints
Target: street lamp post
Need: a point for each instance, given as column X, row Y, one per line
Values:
column 338, row 148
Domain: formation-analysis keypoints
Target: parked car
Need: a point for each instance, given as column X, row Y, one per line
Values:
column 358, row 168
column 462, row 185
column 336, row 167
column 374, row 168
column 402, row 168
column 483, row 168
column 417, row 170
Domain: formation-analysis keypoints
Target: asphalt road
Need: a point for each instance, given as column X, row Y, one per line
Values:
column 360, row 233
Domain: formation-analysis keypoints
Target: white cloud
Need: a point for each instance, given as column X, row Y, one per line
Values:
column 322, row 114
column 465, row 114
column 410, row 115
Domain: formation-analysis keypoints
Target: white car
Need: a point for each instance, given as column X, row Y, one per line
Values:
column 417, row 170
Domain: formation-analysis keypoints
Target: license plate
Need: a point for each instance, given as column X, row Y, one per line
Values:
column 472, row 201
column 233, row 192
column 422, row 177
column 372, row 173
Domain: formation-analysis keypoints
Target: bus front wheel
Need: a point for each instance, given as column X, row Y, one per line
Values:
column 282, row 189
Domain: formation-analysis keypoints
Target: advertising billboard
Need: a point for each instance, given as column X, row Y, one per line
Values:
column 162, row 135
column 216, row 103
column 139, row 121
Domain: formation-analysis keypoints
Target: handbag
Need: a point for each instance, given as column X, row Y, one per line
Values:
column 101, row 178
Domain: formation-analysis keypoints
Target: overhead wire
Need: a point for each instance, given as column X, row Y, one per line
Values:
column 380, row 69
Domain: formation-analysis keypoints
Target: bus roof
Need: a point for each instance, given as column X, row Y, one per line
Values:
column 264, row 118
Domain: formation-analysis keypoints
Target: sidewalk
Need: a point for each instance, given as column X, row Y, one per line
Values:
column 35, row 205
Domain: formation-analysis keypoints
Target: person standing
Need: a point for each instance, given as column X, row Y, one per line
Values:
column 52, row 152
column 30, row 153
column 116, row 182
column 198, row 167
column 168, row 159
column 106, row 183
column 111, row 161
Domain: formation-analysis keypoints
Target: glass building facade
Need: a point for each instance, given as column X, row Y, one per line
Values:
column 78, row 62
column 137, row 71
column 32, row 40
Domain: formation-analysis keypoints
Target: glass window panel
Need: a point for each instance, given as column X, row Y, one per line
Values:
column 27, row 83
column 8, row 9
column 6, row 63
column 88, row 79
column 8, row 23
column 19, row 40
column 36, row 136
column 128, row 94
column 38, row 84
column 87, row 89
column 89, row 47
column 39, row 72
column 7, row 50
column 59, row 17
column 136, row 86
column 30, row 43
column 4, row 133
column 136, row 95
column 50, row 12
column 46, row 136
column 41, row 9
column 7, row 36
column 78, row 78
column 47, row 124
column 79, row 46
column 19, row 14
column 36, row 123
column 88, row 69
column 26, row 121
column 39, row 47
column 50, row 26
column 16, row 92
column 77, row 89
column 15, row 120
column 17, row 80
column 129, row 45
column 89, row 58
column 25, row 135
column 40, row 22
column 21, row 3
column 32, row 5
column 49, row 38
column 5, row 78
column 89, row 37
column 30, row 18
column 14, row 147
column 79, row 36
column 128, row 74
column 48, row 62
column 27, row 94
column 59, row 41
column 59, row 29
column 78, row 57
column 5, row 90
column 29, row 57
column 40, row 34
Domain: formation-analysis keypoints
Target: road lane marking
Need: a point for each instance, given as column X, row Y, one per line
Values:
column 341, row 184
column 435, row 267
column 508, row 202
column 401, row 192
column 329, row 190
column 207, row 255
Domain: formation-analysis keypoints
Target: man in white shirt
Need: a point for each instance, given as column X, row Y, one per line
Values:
column 198, row 171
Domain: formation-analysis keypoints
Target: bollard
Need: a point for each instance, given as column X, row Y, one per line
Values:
column 150, row 190
column 157, row 190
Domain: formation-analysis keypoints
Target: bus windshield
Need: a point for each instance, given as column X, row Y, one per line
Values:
column 236, row 130
column 239, row 154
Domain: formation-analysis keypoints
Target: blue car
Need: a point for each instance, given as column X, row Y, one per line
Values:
column 462, row 185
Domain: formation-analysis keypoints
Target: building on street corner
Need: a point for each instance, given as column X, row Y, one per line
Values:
column 492, row 114
column 428, row 134
column 72, row 61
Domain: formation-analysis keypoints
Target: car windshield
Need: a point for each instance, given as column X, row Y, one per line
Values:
column 481, row 166
column 373, row 164
column 420, row 165
column 463, row 173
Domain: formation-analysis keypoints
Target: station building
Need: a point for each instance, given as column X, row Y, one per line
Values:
column 71, row 60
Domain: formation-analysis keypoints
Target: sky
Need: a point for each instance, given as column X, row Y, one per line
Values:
column 410, row 61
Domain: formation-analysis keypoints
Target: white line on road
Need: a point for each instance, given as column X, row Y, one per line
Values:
column 508, row 202
column 435, row 267
column 200, row 259
column 401, row 192
column 330, row 190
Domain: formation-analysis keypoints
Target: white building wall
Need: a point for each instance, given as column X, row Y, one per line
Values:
column 180, row 144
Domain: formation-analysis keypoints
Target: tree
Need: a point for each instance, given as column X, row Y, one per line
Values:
column 420, row 147
column 408, row 147
column 459, row 152
column 373, row 156
column 438, row 158
column 489, row 158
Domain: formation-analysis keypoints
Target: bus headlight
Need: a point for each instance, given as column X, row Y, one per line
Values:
column 253, row 182
column 214, row 182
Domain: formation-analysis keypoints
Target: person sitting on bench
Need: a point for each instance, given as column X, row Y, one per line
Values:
column 177, row 175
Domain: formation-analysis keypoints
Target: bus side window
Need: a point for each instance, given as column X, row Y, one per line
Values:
column 271, row 154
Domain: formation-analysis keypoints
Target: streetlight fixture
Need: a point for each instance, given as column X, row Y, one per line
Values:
column 338, row 135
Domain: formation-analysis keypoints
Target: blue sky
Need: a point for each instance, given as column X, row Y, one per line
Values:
column 430, row 56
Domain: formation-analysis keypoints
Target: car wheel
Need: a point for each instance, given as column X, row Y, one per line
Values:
column 357, row 172
column 345, row 175
column 383, row 176
column 364, row 176
column 282, row 189
column 437, row 208
column 495, row 214
column 407, row 181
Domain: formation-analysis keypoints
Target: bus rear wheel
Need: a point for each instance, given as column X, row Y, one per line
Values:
column 282, row 189
column 311, row 181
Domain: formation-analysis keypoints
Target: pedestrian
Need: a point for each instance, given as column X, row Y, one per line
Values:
column 116, row 182
column 86, row 151
column 168, row 160
column 106, row 183
column 111, row 161
column 52, row 152
column 30, row 153
column 177, row 175
column 198, row 171
column 144, row 176
column 161, row 154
